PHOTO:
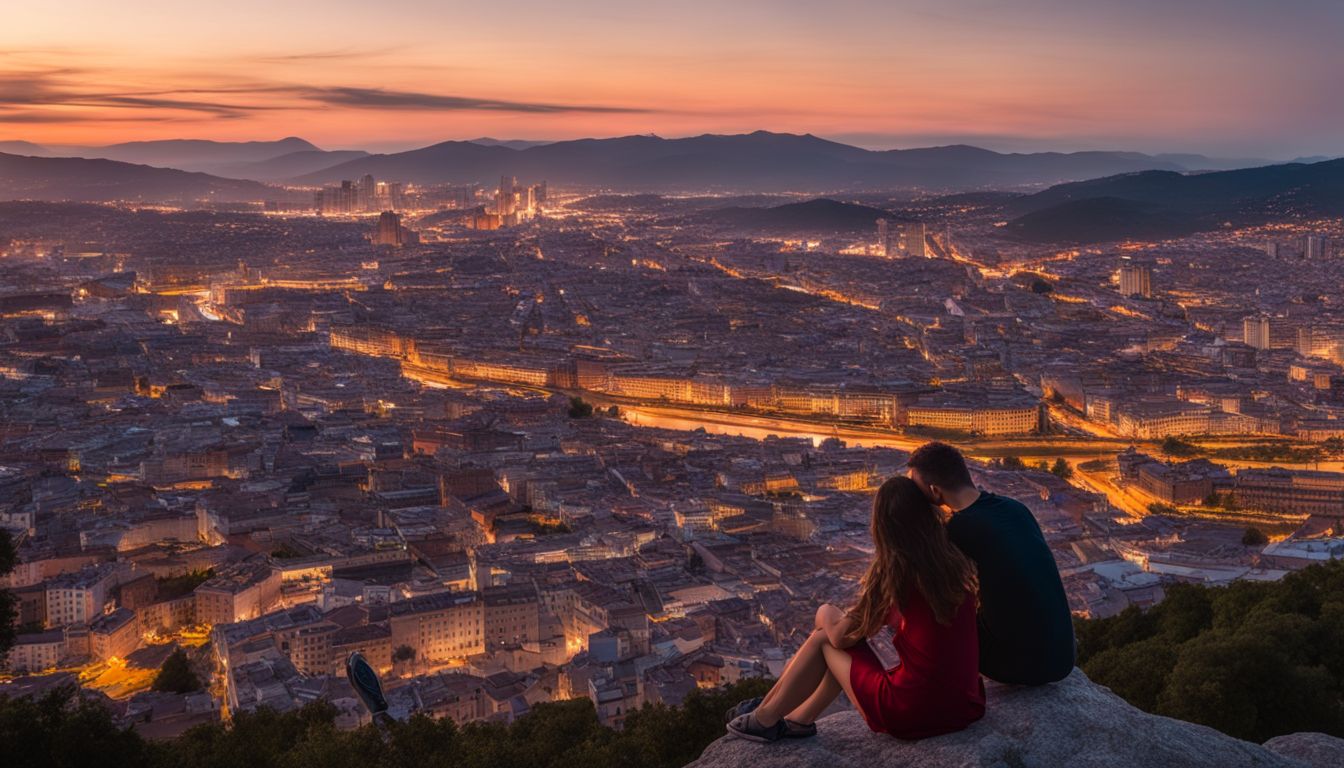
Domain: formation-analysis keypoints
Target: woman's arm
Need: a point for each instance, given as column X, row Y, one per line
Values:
column 837, row 625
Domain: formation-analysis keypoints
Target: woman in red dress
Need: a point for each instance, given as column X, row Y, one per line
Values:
column 922, row 588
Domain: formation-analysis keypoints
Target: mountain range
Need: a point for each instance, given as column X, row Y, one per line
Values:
column 760, row 161
column 1161, row 204
column 96, row 180
column 1126, row 194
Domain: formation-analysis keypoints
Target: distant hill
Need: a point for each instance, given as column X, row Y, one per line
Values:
column 1165, row 204
column 1099, row 219
column 189, row 154
column 289, row 165
column 486, row 141
column 760, row 161
column 450, row 161
column 24, row 148
column 80, row 179
column 667, row 204
column 820, row 215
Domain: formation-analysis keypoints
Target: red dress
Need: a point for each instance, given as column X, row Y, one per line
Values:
column 937, row 687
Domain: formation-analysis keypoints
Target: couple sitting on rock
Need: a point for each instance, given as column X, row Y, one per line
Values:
column 940, row 605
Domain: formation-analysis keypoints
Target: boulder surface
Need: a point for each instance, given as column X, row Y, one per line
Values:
column 1074, row 723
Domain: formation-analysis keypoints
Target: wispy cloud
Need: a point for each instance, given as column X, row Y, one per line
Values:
column 61, row 118
column 38, row 91
column 378, row 98
column 343, row 54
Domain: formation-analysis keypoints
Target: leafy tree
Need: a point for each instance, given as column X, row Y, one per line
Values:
column 176, row 675
column 403, row 653
column 1252, row 659
column 579, row 408
column 614, row 412
column 1061, row 469
column 1012, row 462
column 177, row 586
column 64, row 730
column 1174, row 446
column 1254, row 537
column 1040, row 286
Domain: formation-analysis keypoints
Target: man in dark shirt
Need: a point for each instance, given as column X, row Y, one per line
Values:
column 1026, row 630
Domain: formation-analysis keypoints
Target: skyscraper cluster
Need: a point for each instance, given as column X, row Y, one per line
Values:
column 367, row 195
column 514, row 204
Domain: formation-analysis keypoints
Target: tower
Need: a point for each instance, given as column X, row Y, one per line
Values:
column 912, row 239
column 389, row 230
column 1136, row 280
column 1314, row 246
column 367, row 193
column 505, row 202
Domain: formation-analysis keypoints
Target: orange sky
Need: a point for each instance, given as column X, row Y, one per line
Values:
column 1181, row 75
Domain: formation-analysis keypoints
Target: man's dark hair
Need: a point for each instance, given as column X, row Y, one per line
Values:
column 942, row 465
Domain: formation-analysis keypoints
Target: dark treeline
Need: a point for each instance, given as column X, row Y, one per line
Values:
column 63, row 731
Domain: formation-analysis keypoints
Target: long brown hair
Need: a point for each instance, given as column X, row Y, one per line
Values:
column 913, row 552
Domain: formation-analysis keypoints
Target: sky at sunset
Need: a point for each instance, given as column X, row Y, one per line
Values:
column 1230, row 77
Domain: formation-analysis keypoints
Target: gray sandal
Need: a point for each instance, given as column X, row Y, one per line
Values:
column 745, row 727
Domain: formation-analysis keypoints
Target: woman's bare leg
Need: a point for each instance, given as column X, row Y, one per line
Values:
column 801, row 678
column 810, row 710
column 787, row 666
column 837, row 665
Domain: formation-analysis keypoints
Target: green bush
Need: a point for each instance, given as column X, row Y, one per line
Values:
column 1254, row 660
column 176, row 675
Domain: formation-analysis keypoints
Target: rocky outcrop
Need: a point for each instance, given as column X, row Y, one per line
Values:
column 1074, row 723
column 1314, row 749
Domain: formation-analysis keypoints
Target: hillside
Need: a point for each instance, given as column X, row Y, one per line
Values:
column 1165, row 204
column 190, row 154
column 289, row 165
column 820, row 215
column 759, row 161
column 79, row 179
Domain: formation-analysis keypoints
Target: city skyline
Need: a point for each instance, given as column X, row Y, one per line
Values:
column 1218, row 78
column 525, row 385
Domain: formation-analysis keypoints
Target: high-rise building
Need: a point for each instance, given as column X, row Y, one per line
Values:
column 396, row 197
column 1314, row 246
column 1136, row 280
column 389, row 230
column 1255, row 331
column 912, row 239
column 367, row 193
column 1265, row 332
column 1272, row 249
column 883, row 238
column 506, row 202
